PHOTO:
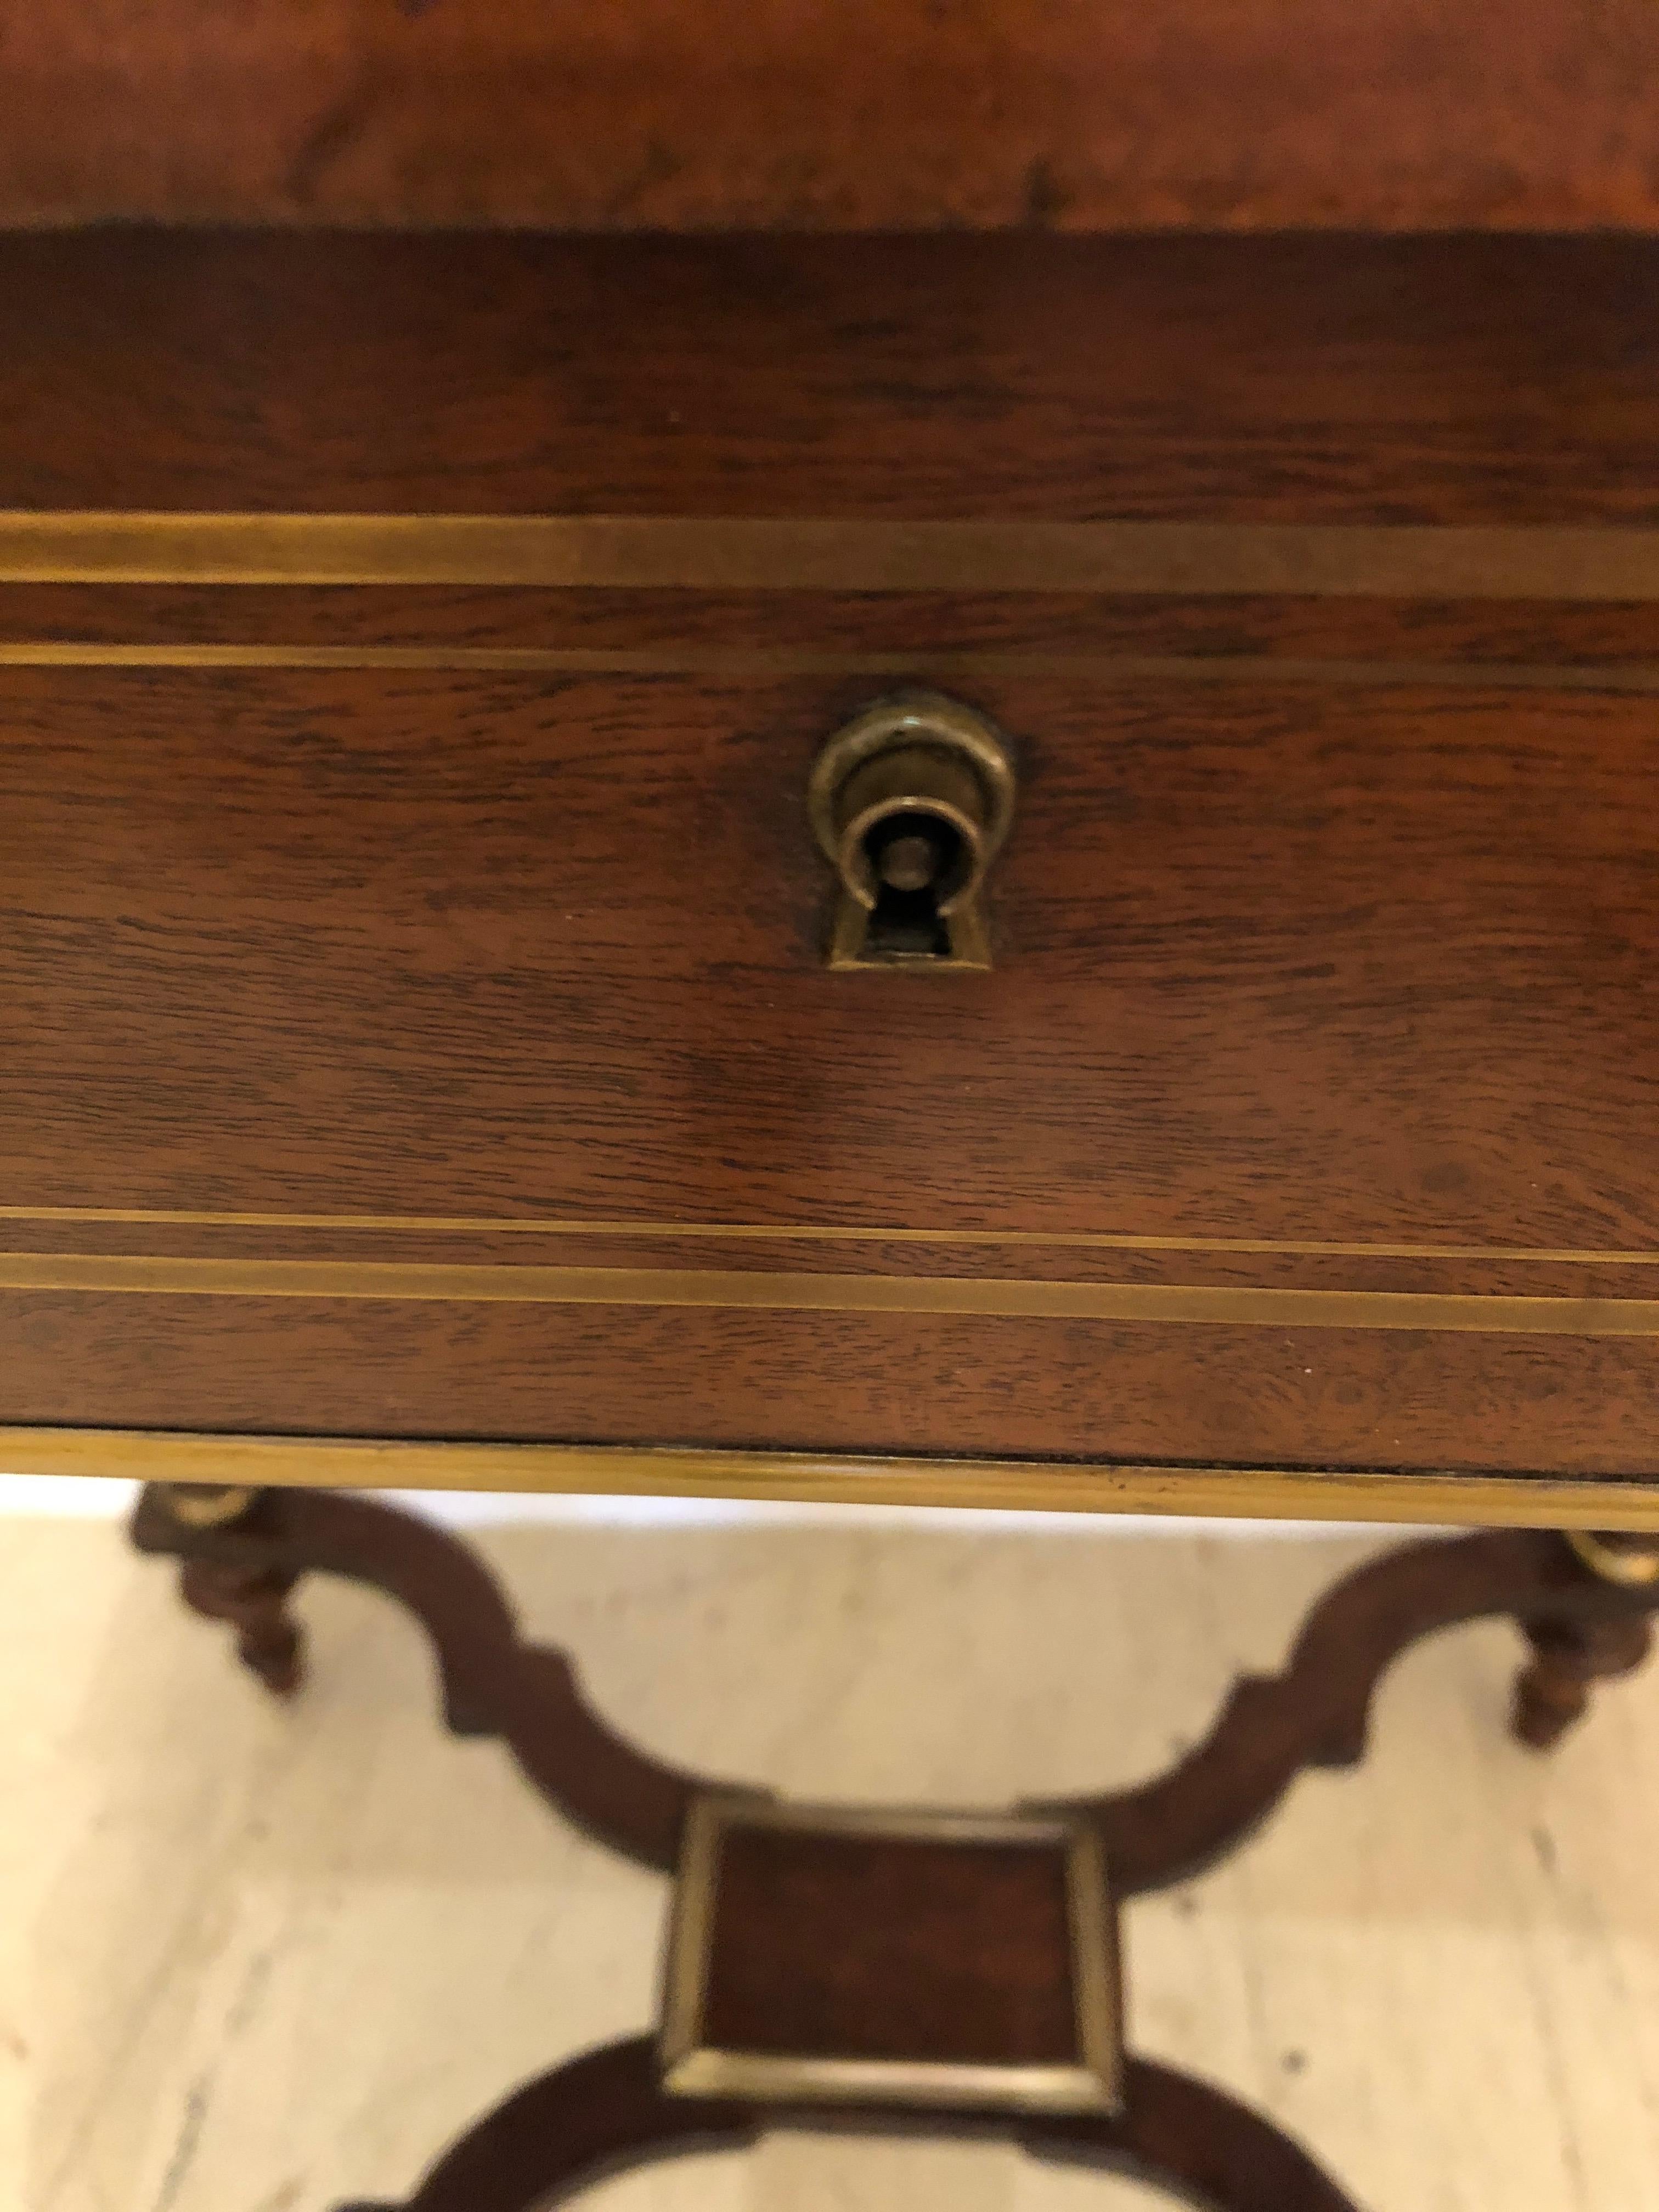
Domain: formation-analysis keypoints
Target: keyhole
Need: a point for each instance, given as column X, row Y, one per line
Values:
column 917, row 860
column 910, row 802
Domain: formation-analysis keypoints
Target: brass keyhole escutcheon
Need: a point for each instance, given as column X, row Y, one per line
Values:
column 911, row 802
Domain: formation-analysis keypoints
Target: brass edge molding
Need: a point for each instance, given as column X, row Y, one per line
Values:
column 1164, row 1304
column 820, row 1232
column 1621, row 676
column 824, row 1232
column 1427, row 1498
column 769, row 553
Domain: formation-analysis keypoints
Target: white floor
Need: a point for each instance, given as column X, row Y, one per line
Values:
column 257, row 1960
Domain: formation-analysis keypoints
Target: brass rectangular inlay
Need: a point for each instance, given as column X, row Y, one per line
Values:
column 840, row 2013
column 770, row 553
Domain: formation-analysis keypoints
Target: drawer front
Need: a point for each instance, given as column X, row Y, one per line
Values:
column 1275, row 962
column 452, row 1051
column 414, row 1010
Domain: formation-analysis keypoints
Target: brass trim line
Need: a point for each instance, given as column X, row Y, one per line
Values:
column 1424, row 1497
column 752, row 661
column 745, row 553
column 788, row 1232
column 1161, row 1304
column 1097, row 1962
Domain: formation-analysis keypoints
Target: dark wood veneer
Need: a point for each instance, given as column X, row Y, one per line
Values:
column 837, row 1382
column 1448, row 380
column 1274, row 961
column 1282, row 961
column 1324, row 920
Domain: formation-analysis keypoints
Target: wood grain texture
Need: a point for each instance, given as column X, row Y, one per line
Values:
column 965, row 1950
column 1450, row 381
column 1362, row 966
column 1326, row 923
column 833, row 1382
column 1369, row 965
column 884, row 114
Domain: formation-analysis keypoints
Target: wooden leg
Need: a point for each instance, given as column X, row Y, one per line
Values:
column 238, row 1585
column 1315, row 1713
column 243, row 1550
column 1197, row 2143
column 254, row 1601
column 596, row 2114
column 1553, row 1690
column 976, row 1963
column 606, row 2112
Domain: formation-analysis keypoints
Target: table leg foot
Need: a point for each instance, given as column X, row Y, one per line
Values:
column 1552, row 1691
column 254, row 1601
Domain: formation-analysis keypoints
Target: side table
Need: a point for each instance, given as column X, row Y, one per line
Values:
column 908, row 757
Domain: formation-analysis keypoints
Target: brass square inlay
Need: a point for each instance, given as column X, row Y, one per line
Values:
column 845, row 1955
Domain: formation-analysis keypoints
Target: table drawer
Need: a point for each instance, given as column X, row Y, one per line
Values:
column 414, row 1002
column 452, row 1049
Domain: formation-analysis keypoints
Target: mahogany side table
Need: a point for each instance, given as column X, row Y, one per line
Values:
column 909, row 759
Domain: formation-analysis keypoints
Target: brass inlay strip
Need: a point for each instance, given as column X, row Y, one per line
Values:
column 742, row 553
column 1518, row 1501
column 731, row 662
column 1163, row 1304
column 790, row 1233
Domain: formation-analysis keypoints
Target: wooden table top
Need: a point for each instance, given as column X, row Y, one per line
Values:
column 1084, row 115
